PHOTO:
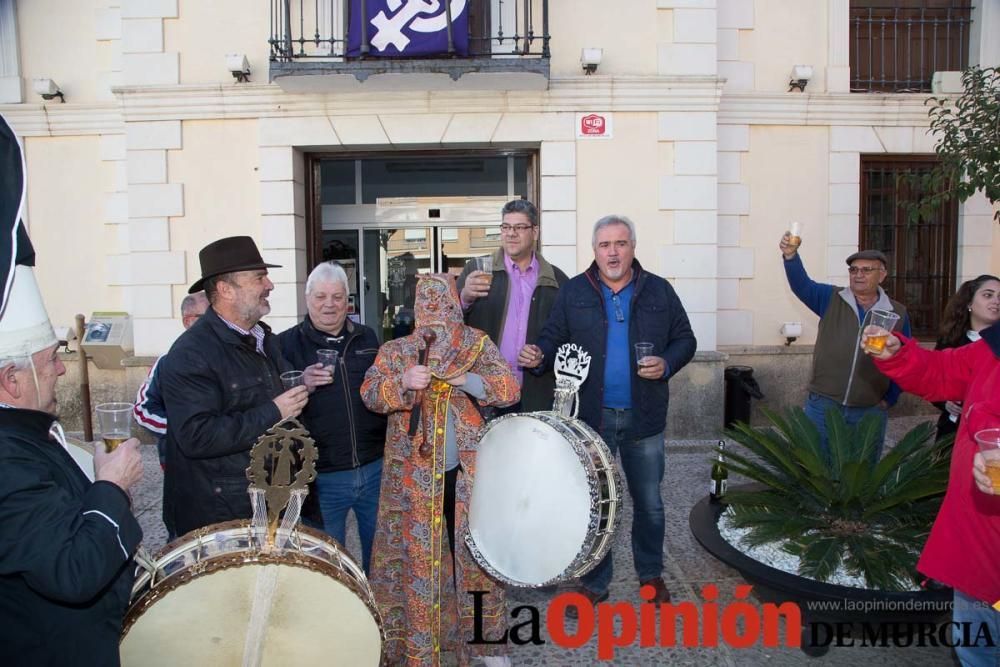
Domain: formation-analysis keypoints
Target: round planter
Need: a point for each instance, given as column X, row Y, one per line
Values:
column 773, row 585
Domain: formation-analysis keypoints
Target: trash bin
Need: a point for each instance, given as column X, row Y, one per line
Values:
column 740, row 388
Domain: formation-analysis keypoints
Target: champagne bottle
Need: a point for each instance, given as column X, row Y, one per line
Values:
column 720, row 476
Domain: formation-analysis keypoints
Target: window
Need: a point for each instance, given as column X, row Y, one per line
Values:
column 922, row 254
column 897, row 45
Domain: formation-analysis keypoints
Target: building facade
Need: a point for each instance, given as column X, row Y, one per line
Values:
column 694, row 123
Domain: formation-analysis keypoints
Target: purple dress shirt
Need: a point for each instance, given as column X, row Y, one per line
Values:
column 515, row 326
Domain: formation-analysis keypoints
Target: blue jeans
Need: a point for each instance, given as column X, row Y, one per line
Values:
column 356, row 489
column 976, row 613
column 643, row 462
column 816, row 407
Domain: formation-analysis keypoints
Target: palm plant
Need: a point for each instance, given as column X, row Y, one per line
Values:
column 839, row 508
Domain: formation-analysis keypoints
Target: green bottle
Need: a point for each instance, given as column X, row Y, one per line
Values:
column 720, row 476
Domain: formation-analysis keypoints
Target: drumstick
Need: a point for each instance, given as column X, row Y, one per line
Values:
column 429, row 338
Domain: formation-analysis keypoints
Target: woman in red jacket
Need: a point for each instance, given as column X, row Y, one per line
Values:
column 963, row 550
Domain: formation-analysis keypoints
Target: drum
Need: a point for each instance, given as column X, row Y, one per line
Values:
column 545, row 500
column 219, row 600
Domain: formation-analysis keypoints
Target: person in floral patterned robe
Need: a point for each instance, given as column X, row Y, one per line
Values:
column 421, row 584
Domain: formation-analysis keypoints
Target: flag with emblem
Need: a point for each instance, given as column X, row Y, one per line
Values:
column 399, row 28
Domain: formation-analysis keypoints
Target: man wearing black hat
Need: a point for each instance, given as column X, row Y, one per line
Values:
column 843, row 378
column 222, row 388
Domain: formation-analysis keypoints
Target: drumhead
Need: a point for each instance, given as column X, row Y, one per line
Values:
column 314, row 619
column 531, row 501
column 219, row 600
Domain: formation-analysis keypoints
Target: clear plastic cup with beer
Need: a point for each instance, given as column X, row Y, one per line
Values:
column 876, row 328
column 485, row 264
column 989, row 446
column 115, row 423
column 642, row 352
column 795, row 235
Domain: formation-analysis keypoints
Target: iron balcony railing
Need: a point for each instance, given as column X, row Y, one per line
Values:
column 898, row 49
column 318, row 29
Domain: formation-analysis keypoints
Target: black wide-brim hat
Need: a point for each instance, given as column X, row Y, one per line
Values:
column 233, row 253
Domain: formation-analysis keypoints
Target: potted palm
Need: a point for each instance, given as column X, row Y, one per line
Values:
column 837, row 513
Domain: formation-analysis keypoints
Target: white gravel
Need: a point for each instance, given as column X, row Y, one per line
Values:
column 773, row 555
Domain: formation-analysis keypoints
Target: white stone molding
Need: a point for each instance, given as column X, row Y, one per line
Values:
column 108, row 28
column 10, row 63
column 281, row 171
column 557, row 202
column 144, row 61
column 838, row 61
column 984, row 48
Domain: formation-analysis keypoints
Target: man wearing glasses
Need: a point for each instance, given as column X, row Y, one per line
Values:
column 512, row 304
column 844, row 378
column 607, row 310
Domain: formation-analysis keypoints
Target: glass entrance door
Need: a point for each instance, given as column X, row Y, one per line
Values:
column 382, row 266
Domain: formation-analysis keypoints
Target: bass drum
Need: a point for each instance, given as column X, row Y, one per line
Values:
column 545, row 500
column 219, row 600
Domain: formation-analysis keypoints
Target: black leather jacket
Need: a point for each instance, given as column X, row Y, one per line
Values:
column 218, row 393
column 347, row 433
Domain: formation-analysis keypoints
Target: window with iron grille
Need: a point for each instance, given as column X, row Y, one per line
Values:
column 897, row 45
column 921, row 254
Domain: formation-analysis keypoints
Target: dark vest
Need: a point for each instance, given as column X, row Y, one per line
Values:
column 841, row 370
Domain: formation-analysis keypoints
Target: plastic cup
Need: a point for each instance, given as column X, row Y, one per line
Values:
column 877, row 325
column 290, row 379
column 795, row 234
column 485, row 264
column 989, row 446
column 115, row 423
column 642, row 350
column 329, row 359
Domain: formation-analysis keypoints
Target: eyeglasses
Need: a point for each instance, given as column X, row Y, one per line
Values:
column 520, row 229
column 863, row 270
column 619, row 315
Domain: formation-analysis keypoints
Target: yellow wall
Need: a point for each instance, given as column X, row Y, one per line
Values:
column 57, row 42
column 800, row 28
column 787, row 170
column 206, row 31
column 66, row 193
column 621, row 176
column 218, row 167
column 627, row 31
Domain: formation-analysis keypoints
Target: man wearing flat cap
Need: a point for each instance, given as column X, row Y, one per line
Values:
column 221, row 385
column 843, row 377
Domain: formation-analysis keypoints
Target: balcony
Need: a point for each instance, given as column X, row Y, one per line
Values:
column 898, row 45
column 321, row 46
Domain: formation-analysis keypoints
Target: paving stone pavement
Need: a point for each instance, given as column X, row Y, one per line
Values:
column 688, row 568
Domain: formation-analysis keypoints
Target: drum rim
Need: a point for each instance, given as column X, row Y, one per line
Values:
column 233, row 559
column 596, row 544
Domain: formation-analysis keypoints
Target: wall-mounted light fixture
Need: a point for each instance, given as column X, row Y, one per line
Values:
column 590, row 58
column 800, row 77
column 791, row 331
column 47, row 88
column 238, row 66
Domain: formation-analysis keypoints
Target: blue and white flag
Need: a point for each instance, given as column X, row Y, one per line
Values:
column 408, row 27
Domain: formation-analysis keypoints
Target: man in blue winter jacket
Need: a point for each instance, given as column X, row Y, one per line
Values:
column 606, row 310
